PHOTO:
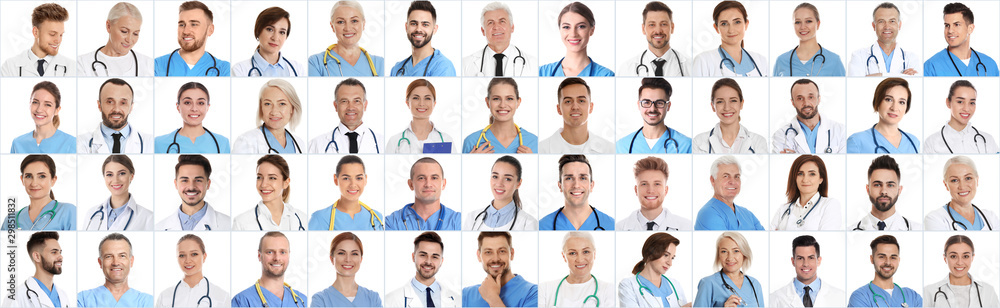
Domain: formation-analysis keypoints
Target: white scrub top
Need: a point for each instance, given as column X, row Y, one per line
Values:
column 574, row 295
column 665, row 222
column 134, row 218
column 939, row 220
column 259, row 218
column 709, row 64
column 555, row 144
column 829, row 134
column 135, row 143
column 746, row 142
column 26, row 64
column 411, row 145
column 213, row 220
column 979, row 292
column 969, row 140
column 515, row 63
column 896, row 222
column 183, row 295
column 642, row 64
column 870, row 60
column 124, row 66
column 819, row 213
column 336, row 141
column 787, row 296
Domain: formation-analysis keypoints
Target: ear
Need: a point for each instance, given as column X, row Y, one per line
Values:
column 947, row 102
column 665, row 189
column 410, row 184
column 413, row 257
column 512, row 253
column 871, row 259
column 819, row 261
column 479, row 256
column 945, row 182
column 286, row 183
column 336, row 180
column 335, row 29
column 591, row 108
column 873, row 26
column 211, row 29
column 972, row 28
column 365, row 105
column 818, row 23
column 483, row 30
column 900, row 193
column 868, row 189
column 558, row 110
column 444, row 182
column 636, row 189
column 671, row 27
column 107, row 25
column 559, row 184
column 208, row 184
column 716, row 26
column 668, row 106
column 711, row 180
column 34, row 32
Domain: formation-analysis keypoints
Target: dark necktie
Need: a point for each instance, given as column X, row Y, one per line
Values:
column 649, row 225
column 499, row 67
column 659, row 67
column 430, row 302
column 881, row 225
column 806, row 300
column 41, row 67
column 117, row 148
column 354, row 141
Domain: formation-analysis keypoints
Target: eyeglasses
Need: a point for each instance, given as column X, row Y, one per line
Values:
column 659, row 103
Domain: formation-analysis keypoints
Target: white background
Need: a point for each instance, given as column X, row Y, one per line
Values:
column 476, row 114
column 218, row 44
column 399, row 267
column 831, row 248
column 937, row 114
column 322, row 273
column 601, row 46
column 446, row 115
column 831, row 105
column 983, row 268
column 524, row 36
column 628, row 252
column 94, row 191
column 755, row 38
column 909, row 203
column 246, row 195
column 397, row 172
column 830, row 33
column 555, row 268
column 780, row 164
column 218, row 194
column 248, row 98
column 323, row 192
column 323, row 117
column 631, row 42
column 71, row 265
column 217, row 255
column 602, row 196
column 909, row 35
column 64, row 188
column 678, row 183
column 16, row 27
column 706, row 250
column 90, row 273
column 244, row 44
column 753, row 188
column 911, row 256
column 523, row 264
column 863, row 116
column 217, row 118
column 246, row 268
column 395, row 35
column 629, row 119
column 319, row 36
column 753, row 115
column 982, row 40
column 477, row 170
column 936, row 194
column 93, row 29
column 140, row 119
column 17, row 108
column 600, row 122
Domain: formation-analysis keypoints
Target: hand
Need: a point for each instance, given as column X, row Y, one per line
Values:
column 910, row 71
column 732, row 301
column 490, row 290
column 874, row 75
column 524, row 150
column 787, row 151
column 485, row 148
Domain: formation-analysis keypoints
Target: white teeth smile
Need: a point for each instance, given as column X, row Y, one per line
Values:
column 194, row 116
column 497, row 34
column 574, row 41
column 581, row 266
column 266, row 191
column 191, row 194
column 352, row 191
column 503, row 111
column 729, row 114
column 499, row 191
column 38, row 116
column 188, row 38
column 963, row 193
column 576, row 193
column 421, row 109
column 576, row 114
column 347, row 267
column 651, row 197
column 348, row 35
column 116, row 186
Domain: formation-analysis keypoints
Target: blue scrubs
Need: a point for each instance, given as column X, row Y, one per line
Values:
column 664, row 291
column 330, row 297
column 359, row 69
column 440, row 66
column 64, row 218
column 289, row 147
column 406, row 218
column 562, row 223
column 250, row 298
column 811, row 135
column 592, row 70
column 101, row 297
column 529, row 140
column 863, row 142
column 713, row 293
column 53, row 295
column 871, row 295
column 671, row 142
column 716, row 215
column 201, row 144
column 515, row 293
column 59, row 143
column 941, row 65
column 977, row 225
column 208, row 65
column 830, row 67
column 362, row 220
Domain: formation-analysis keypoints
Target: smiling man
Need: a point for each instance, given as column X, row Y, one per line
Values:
column 881, row 291
column 274, row 254
column 575, row 183
column 959, row 58
column 117, row 57
column 659, row 59
column 426, row 212
column 498, row 57
column 116, row 261
column 657, row 137
column 421, row 25
column 352, row 135
column 884, row 188
column 115, row 135
column 885, row 57
column 807, row 289
column 651, row 188
column 425, row 290
column 575, row 107
column 809, row 130
column 721, row 212
column 46, row 254
column 194, row 26
column 501, row 287
column 192, row 180
column 42, row 59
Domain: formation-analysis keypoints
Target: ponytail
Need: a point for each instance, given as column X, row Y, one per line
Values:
column 639, row 267
column 55, row 121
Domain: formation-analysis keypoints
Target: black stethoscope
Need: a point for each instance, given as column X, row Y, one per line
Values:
column 975, row 139
column 402, row 68
column 514, row 62
column 871, row 55
column 712, row 132
column 985, row 72
column 39, row 300
column 877, row 146
column 217, row 148
column 208, row 288
column 670, row 137
column 253, row 66
column 440, row 214
column 731, row 289
column 788, row 212
column 93, row 65
column 979, row 294
column 811, row 68
column 333, row 141
column 858, row 227
column 214, row 63
column 256, row 213
column 733, row 64
column 828, row 140
column 964, row 227
column 559, row 64
column 643, row 65
column 485, row 216
column 132, row 213
column 142, row 144
column 271, row 150
column 592, row 209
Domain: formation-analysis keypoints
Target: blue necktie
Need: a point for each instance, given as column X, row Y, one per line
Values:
column 881, row 225
column 41, row 67
column 430, row 302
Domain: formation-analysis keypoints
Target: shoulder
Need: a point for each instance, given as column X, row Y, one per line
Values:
column 940, row 55
column 782, row 58
column 546, row 70
column 600, row 70
column 246, row 136
column 24, row 137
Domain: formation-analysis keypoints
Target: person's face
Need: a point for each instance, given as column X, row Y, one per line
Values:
column 883, row 189
column 428, row 259
column 504, row 181
column 351, row 181
column 575, row 31
column 43, row 107
column 653, row 115
column 806, row 262
column 503, row 102
column 579, row 255
column 661, row 265
column 346, row 258
column 730, row 256
column 731, row 26
column 806, row 24
column 961, row 182
column 497, row 27
column 575, row 183
column 893, row 106
column 420, row 28
column 808, row 178
column 886, row 24
column 117, row 178
column 37, row 180
column 48, row 36
column 193, row 28
column 805, row 99
column 727, row 181
column 495, row 255
column 273, row 36
column 116, row 260
column 123, row 33
column 575, row 105
column 190, row 257
column 651, row 188
column 956, row 30
column 351, row 105
column 885, row 258
column 115, row 104
column 428, row 182
column 962, row 105
column 193, row 106
column 658, row 27
column 274, row 255
column 276, row 108
column 727, row 105
column 348, row 25
column 421, row 102
column 270, row 183
column 51, row 257
column 959, row 257
column 192, row 184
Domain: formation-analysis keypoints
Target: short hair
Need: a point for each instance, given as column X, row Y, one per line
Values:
column 885, row 5
column 884, row 87
column 122, row 9
column 959, row 160
column 956, row 239
column 346, row 236
column 282, row 165
column 426, row 160
column 115, row 237
column 270, row 16
column 883, row 162
column 485, row 234
column 196, row 160
column 577, row 234
column 884, row 239
column 37, row 240
column 349, row 159
column 48, row 12
column 657, row 6
column 727, row 82
column 50, row 87
column 347, row 3
column 574, row 158
column 427, row 236
column 121, row 159
column 724, row 160
column 579, row 8
column 809, row 6
column 260, row 244
column 350, row 82
column 118, row 82
column 741, row 243
column 805, row 241
column 958, row 84
column 958, row 7
column 422, row 5
column 656, row 83
column 792, row 189
column 293, row 100
column 194, row 85
column 651, row 163
column 45, row 159
column 803, row 81
column 416, row 83
column 195, row 238
column 568, row 82
column 197, row 5
column 654, row 248
column 493, row 6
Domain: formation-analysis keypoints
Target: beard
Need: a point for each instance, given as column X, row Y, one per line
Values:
column 883, row 206
column 195, row 202
column 428, row 276
column 193, row 46
column 658, row 46
column 51, row 267
column 269, row 272
column 112, row 125
column 884, row 276
column 427, row 40
column 807, row 112
column 506, row 269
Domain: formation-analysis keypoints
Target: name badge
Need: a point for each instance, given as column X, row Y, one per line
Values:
column 437, row 147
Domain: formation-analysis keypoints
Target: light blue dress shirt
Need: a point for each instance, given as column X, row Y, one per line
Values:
column 421, row 290
column 110, row 140
column 188, row 221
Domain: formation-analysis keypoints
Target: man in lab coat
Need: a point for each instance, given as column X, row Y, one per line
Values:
column 809, row 132
column 116, row 261
column 114, row 134
column 428, row 255
column 192, row 179
column 807, row 289
column 46, row 254
column 42, row 59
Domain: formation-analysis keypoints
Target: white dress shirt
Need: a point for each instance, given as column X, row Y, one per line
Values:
column 336, row 141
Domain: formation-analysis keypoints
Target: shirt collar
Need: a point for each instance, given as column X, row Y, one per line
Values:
column 421, row 288
column 966, row 130
column 263, row 211
column 360, row 130
column 194, row 218
column 107, row 131
column 259, row 61
column 34, row 58
column 506, row 210
column 666, row 55
column 409, row 129
column 813, row 287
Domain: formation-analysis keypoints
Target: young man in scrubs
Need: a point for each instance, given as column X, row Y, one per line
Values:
column 194, row 26
column 501, row 287
column 959, row 58
column 424, row 290
column 192, row 179
column 575, row 107
column 576, row 183
column 807, row 288
column 659, row 59
column 721, row 212
column 881, row 291
column 884, row 188
column 656, row 136
column 651, row 188
column 885, row 57
column 426, row 212
column 116, row 261
column 114, row 134
column 352, row 135
column 421, row 25
column 809, row 129
column 270, row 290
column 498, row 58
column 46, row 254
column 42, row 59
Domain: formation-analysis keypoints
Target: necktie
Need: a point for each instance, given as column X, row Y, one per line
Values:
column 659, row 67
column 649, row 225
column 41, row 67
column 881, row 225
column 806, row 300
column 354, row 141
column 430, row 302
column 499, row 66
column 117, row 148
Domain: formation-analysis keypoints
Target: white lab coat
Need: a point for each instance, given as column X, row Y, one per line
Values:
column 828, row 134
column 116, row 66
column 665, row 222
column 213, row 219
column 524, row 222
column 750, row 141
column 141, row 218
column 960, row 142
column 21, row 295
column 512, row 67
column 706, row 64
column 896, row 222
column 412, row 145
column 405, row 296
column 629, row 295
column 827, row 215
column 187, row 296
column 291, row 219
column 93, row 142
column 985, row 292
column 26, row 64
column 862, row 63
column 369, row 141
column 254, row 142
column 642, row 64
column 573, row 295
column 828, row 296
column 939, row 220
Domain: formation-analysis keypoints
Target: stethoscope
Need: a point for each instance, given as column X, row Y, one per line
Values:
column 712, row 132
column 101, row 211
column 402, row 68
column 513, row 62
column 877, row 146
column 371, row 64
column 670, row 137
column 964, row 227
column 51, row 213
column 295, row 297
column 142, row 144
column 731, row 289
column 792, row 128
column 39, row 299
column 403, row 138
column 93, row 65
column 883, row 297
column 977, row 64
column 641, row 286
column 213, row 67
column 733, row 64
column 256, row 213
column 253, row 66
column 858, row 227
column 482, row 135
column 592, row 209
column 871, row 55
column 788, row 212
column 208, row 288
column 333, row 141
column 333, row 213
column 979, row 294
column 559, row 65
column 272, row 150
column 55, row 69
column 440, row 214
column 975, row 139
column 643, row 65
column 585, row 299
column 512, row 223
column 811, row 68
column 217, row 148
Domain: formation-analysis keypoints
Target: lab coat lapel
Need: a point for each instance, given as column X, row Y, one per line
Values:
column 123, row 220
column 42, row 298
column 410, row 297
column 209, row 219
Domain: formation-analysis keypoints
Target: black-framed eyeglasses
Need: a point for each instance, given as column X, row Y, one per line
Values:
column 659, row 103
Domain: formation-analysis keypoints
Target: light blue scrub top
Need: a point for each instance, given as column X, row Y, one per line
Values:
column 64, row 218
column 810, row 134
column 861, row 142
column 202, row 144
column 320, row 220
column 440, row 67
column 744, row 68
column 529, row 140
column 406, row 218
column 864, row 297
column 359, row 69
column 832, row 67
column 330, row 297
column 562, row 223
column 180, row 68
column 59, row 143
column 250, row 298
column 636, row 143
column 978, row 225
column 712, row 293
column 665, row 290
column 52, row 294
column 941, row 65
column 101, row 297
column 888, row 58
column 592, row 70
column 716, row 215
column 515, row 293
column 289, row 147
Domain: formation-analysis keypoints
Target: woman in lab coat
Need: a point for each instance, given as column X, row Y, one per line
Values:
column 346, row 254
column 45, row 105
column 576, row 26
column 954, row 135
column 891, row 102
column 728, row 136
column 504, row 213
column 274, row 187
column 961, row 179
column 803, row 59
column 808, row 207
column 421, row 98
column 721, row 289
column 277, row 107
column 959, row 289
column 44, row 212
column 650, row 286
column 730, row 58
column 194, row 290
column 118, row 174
column 271, row 30
column 580, row 288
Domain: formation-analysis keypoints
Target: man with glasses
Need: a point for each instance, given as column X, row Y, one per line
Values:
column 657, row 137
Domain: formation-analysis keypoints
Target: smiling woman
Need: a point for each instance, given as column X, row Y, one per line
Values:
column 46, row 138
column 580, row 288
column 274, row 188
column 191, row 256
column 120, row 211
column 117, row 57
column 503, row 99
column 346, row 254
column 278, row 106
column 346, row 57
column 576, row 26
column 193, row 104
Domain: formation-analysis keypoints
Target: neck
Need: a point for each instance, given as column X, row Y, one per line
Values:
column 811, row 123
column 44, row 131
column 651, row 213
column 576, row 214
column 108, row 51
column 503, row 129
column 577, row 58
column 653, row 131
column 118, row 201
column 499, row 204
column 192, row 131
column 194, row 279
column 807, row 48
column 421, row 127
column 354, row 127
column 883, row 215
column 730, row 130
column 192, row 57
column 809, row 281
column 956, row 125
column 190, row 210
column 345, row 283
column 117, row 289
column 426, row 282
column 506, row 278
column 735, row 51
column 961, row 51
column 575, row 135
column 578, row 278
column 274, row 284
column 43, row 276
column 961, row 208
column 346, row 50
column 650, row 275
column 37, row 50
column 278, row 133
column 959, row 281
column 270, row 57
column 420, row 53
column 275, row 207
column 39, row 203
column 887, row 48
column 804, row 198
column 425, row 210
column 887, row 129
column 729, row 202
column 499, row 47
column 883, row 283
column 659, row 52
column 735, row 276
column 349, row 206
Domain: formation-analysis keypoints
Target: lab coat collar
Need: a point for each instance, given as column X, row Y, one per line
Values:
column 743, row 136
column 262, row 211
column 654, row 57
column 449, row 298
column 964, row 132
column 409, row 130
column 40, row 290
column 34, row 59
column 812, row 201
column 660, row 220
column 871, row 221
column 99, row 145
column 259, row 61
column 122, row 220
column 361, row 130
column 945, row 286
